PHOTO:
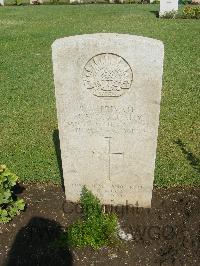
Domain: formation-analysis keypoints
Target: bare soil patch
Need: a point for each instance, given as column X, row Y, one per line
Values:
column 166, row 234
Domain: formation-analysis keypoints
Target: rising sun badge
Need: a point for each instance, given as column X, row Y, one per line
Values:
column 107, row 75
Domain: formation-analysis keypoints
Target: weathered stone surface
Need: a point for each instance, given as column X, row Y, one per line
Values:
column 1, row 2
column 108, row 89
column 168, row 6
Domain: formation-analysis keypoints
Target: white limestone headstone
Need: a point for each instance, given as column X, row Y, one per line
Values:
column 108, row 90
column 76, row 1
column 1, row 2
column 168, row 6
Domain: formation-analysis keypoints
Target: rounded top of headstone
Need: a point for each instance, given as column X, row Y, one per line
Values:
column 100, row 37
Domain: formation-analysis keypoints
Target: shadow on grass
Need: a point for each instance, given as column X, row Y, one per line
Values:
column 190, row 157
column 156, row 13
column 33, row 245
column 56, row 142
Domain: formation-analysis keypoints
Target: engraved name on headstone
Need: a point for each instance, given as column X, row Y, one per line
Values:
column 108, row 90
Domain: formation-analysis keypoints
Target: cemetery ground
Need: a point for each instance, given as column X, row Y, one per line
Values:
column 168, row 233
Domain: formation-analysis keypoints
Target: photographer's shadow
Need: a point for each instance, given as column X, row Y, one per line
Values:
column 35, row 245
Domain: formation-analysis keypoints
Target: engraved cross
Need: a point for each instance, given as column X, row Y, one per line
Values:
column 109, row 156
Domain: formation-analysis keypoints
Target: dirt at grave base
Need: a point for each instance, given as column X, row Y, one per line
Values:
column 166, row 234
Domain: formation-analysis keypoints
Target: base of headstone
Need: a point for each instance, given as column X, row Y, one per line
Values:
column 172, row 12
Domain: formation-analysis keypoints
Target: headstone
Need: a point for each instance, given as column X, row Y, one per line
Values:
column 36, row 2
column 108, row 90
column 1, row 2
column 167, row 6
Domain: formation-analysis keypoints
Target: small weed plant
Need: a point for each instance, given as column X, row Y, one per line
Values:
column 96, row 229
column 9, row 204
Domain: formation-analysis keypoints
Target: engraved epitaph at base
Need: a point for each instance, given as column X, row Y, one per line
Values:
column 108, row 90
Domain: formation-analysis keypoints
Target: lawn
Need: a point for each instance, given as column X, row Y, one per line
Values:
column 28, row 120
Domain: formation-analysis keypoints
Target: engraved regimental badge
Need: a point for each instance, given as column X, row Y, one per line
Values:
column 107, row 75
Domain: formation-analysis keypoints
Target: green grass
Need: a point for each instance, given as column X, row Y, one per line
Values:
column 28, row 112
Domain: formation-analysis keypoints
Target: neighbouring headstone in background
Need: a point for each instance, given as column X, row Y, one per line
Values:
column 108, row 90
column 167, row 6
column 36, row 2
column 1, row 2
column 76, row 1
column 196, row 2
